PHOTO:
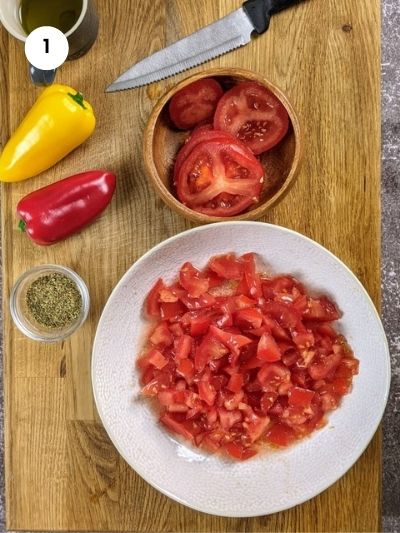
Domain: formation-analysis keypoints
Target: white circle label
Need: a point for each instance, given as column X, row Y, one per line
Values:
column 46, row 48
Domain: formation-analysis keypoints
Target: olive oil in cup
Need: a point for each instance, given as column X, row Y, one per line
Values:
column 61, row 14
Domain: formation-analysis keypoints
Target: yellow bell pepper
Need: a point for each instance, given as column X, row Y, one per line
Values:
column 59, row 121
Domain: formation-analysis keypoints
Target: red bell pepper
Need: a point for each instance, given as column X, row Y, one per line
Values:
column 56, row 211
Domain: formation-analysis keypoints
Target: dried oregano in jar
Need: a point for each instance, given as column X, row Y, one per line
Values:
column 54, row 301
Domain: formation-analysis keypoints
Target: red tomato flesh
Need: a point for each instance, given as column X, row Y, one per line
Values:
column 220, row 178
column 195, row 103
column 261, row 363
column 254, row 115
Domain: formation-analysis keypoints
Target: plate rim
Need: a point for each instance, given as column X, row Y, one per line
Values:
column 369, row 300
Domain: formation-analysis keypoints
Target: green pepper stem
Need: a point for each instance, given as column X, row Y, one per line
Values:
column 78, row 98
column 22, row 225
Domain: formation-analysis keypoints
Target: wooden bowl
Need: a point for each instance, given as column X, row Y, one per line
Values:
column 162, row 142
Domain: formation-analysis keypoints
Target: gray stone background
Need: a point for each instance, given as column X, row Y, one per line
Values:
column 390, row 268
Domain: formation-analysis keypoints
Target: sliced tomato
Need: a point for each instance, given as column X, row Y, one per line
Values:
column 191, row 280
column 152, row 304
column 229, row 418
column 267, row 349
column 220, row 179
column 199, row 134
column 280, row 435
column 195, row 103
column 227, row 266
column 253, row 114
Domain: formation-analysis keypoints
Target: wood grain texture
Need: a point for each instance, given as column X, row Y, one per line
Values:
column 61, row 470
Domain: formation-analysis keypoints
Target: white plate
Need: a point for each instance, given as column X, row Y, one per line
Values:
column 272, row 481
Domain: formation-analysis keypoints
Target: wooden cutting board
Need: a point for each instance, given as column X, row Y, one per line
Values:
column 62, row 472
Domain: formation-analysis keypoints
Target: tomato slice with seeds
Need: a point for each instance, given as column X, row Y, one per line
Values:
column 254, row 115
column 220, row 179
column 200, row 134
column 195, row 103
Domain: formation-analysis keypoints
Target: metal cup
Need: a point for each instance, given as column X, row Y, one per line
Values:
column 80, row 37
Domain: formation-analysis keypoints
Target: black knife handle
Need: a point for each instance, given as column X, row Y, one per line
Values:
column 260, row 11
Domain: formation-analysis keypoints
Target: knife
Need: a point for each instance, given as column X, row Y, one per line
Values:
column 218, row 38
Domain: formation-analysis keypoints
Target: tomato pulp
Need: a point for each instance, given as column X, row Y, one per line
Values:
column 236, row 359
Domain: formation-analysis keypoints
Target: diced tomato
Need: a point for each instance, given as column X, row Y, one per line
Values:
column 226, row 320
column 191, row 280
column 249, row 317
column 171, row 310
column 207, row 392
column 155, row 358
column 176, row 329
column 267, row 349
column 267, row 401
column 252, row 278
column 152, row 305
column 232, row 341
column 161, row 335
column 321, row 309
column 300, row 397
column 242, row 301
column 258, row 359
column 227, row 266
column 274, row 376
column 209, row 348
column 280, row 435
column 321, row 368
column 204, row 301
column 235, row 383
column 183, row 346
column 158, row 383
column 177, row 427
column 186, row 369
column 286, row 315
column 199, row 325
column 229, row 418
column 238, row 451
column 303, row 339
column 256, row 427
column 213, row 279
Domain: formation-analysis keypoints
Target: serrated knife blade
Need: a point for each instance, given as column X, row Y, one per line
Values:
column 218, row 38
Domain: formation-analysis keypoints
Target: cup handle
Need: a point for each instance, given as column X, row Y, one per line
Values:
column 41, row 78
